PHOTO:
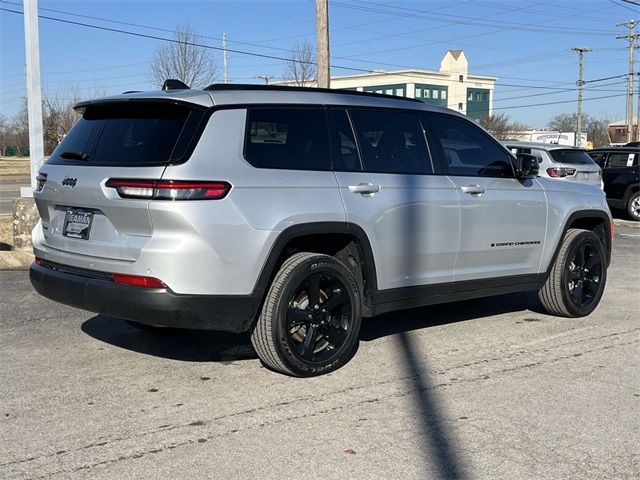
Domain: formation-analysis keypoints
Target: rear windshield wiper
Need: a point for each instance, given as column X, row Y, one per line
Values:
column 75, row 155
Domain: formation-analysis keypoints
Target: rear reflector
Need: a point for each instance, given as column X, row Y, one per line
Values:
column 138, row 281
column 169, row 189
column 38, row 261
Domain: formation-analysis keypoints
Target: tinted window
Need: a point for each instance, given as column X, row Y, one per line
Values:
column 621, row 159
column 128, row 134
column 290, row 138
column 391, row 141
column 578, row 157
column 344, row 149
column 598, row 157
column 467, row 150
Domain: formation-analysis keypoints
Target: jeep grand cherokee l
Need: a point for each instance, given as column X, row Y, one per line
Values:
column 291, row 213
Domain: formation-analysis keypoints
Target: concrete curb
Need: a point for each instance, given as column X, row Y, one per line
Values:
column 15, row 259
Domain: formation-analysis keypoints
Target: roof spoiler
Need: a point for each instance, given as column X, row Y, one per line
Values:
column 172, row 84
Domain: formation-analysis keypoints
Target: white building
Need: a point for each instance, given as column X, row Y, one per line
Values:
column 452, row 86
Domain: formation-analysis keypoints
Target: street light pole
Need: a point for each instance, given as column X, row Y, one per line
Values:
column 34, row 92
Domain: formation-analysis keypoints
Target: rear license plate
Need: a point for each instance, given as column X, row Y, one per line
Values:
column 77, row 223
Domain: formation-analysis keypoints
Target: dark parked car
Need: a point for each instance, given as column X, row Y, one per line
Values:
column 621, row 176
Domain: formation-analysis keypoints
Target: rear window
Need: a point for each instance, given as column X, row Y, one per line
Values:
column 577, row 157
column 130, row 134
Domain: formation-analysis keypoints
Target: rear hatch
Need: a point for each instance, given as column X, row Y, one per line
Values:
column 132, row 140
column 575, row 165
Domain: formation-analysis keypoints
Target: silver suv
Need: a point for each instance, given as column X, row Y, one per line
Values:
column 290, row 213
column 560, row 161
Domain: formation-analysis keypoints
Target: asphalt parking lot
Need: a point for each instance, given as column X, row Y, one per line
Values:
column 488, row 388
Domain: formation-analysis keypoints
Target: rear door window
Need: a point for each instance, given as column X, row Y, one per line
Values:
column 391, row 141
column 343, row 143
column 622, row 159
column 571, row 156
column 287, row 138
column 130, row 134
column 598, row 158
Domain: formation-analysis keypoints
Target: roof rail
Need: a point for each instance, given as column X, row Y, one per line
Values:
column 287, row 88
column 131, row 91
column 172, row 84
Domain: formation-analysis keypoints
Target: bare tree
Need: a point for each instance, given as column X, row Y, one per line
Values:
column 595, row 128
column 20, row 129
column 5, row 134
column 58, row 117
column 185, row 60
column 500, row 126
column 300, row 69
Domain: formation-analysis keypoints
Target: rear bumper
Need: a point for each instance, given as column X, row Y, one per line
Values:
column 151, row 306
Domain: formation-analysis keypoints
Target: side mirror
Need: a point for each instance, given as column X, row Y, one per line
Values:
column 527, row 166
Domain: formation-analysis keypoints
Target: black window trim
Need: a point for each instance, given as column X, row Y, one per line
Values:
column 330, row 125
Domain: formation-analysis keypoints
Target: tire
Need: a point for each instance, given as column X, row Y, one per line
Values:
column 577, row 280
column 293, row 337
column 633, row 206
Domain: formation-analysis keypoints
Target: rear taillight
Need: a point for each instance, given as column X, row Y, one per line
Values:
column 169, row 189
column 41, row 178
column 137, row 280
column 560, row 172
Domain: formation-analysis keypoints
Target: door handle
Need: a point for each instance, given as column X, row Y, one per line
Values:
column 364, row 188
column 473, row 189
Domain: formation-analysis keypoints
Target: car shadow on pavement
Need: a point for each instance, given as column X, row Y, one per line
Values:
column 416, row 318
column 171, row 343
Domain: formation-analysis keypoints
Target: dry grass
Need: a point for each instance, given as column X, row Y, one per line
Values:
column 14, row 166
column 6, row 232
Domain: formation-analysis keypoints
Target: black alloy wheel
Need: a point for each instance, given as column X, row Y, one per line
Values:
column 584, row 273
column 319, row 316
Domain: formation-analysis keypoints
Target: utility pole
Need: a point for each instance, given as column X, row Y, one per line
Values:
column 638, row 114
column 224, row 57
column 581, row 51
column 322, row 43
column 266, row 78
column 34, row 92
column 631, row 37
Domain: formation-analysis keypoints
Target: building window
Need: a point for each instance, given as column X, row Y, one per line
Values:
column 443, row 94
column 427, row 93
column 460, row 106
column 461, row 78
column 435, row 94
column 470, row 97
column 418, row 92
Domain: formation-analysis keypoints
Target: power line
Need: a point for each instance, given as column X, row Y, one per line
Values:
column 558, row 103
column 463, row 20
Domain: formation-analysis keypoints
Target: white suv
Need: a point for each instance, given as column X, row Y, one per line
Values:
column 291, row 213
